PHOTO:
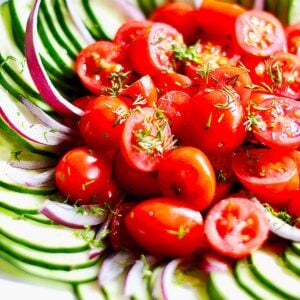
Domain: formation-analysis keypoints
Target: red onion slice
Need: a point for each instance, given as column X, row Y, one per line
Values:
column 46, row 119
column 213, row 262
column 69, row 216
column 128, row 9
column 38, row 73
column 32, row 165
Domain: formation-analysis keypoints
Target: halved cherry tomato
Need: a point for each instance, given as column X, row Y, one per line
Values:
column 186, row 174
column 259, row 33
column 236, row 226
column 146, row 138
column 135, row 182
column 82, row 176
column 271, row 175
column 276, row 122
column 294, row 205
column 214, row 121
column 293, row 38
column 156, row 45
column 142, row 92
column 102, row 124
column 165, row 227
column 95, row 64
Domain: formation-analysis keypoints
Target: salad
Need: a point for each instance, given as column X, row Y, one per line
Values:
column 148, row 153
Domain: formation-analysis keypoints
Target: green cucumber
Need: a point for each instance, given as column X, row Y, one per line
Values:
column 223, row 286
column 48, row 260
column 54, row 238
column 74, row 276
column 293, row 15
column 292, row 260
column 147, row 6
column 271, row 270
column 89, row 291
column 247, row 279
column 296, row 247
column 39, row 218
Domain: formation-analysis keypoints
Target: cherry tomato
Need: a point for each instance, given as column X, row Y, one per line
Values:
column 276, row 122
column 135, row 182
column 165, row 227
column 119, row 236
column 157, row 47
column 271, row 175
column 280, row 73
column 142, row 92
column 101, row 125
column 174, row 104
column 176, row 14
column 214, row 121
column 293, row 38
column 236, row 226
column 146, row 138
column 82, row 176
column 96, row 63
column 294, row 205
column 186, row 174
column 259, row 33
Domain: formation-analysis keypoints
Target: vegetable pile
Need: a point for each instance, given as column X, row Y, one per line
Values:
column 166, row 152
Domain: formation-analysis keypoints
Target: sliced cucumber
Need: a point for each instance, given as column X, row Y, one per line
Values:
column 293, row 15
column 39, row 218
column 296, row 247
column 40, row 236
column 223, row 286
column 292, row 260
column 147, row 6
column 89, row 291
column 247, row 279
column 270, row 268
column 55, row 261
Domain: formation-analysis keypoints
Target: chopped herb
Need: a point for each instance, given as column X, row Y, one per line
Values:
column 182, row 231
column 208, row 123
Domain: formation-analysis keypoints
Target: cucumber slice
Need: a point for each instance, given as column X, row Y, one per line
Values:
column 73, row 276
column 39, row 218
column 147, row 6
column 89, row 291
column 293, row 15
column 40, row 236
column 292, row 260
column 247, row 279
column 296, row 247
column 223, row 286
column 271, row 270
column 55, row 261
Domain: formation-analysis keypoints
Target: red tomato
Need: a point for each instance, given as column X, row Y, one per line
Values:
column 294, row 205
column 146, row 139
column 156, row 45
column 118, row 235
column 276, row 122
column 225, row 14
column 259, row 33
column 235, row 77
column 214, row 121
column 95, row 64
column 102, row 124
column 236, row 226
column 293, row 38
column 281, row 74
column 142, row 92
column 165, row 227
column 271, row 175
column 186, row 174
column 174, row 105
column 135, row 182
column 82, row 176
column 130, row 31
column 177, row 15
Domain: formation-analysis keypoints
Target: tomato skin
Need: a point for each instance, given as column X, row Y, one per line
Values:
column 278, row 122
column 214, row 122
column 265, row 28
column 165, row 227
column 236, row 226
column 186, row 174
column 271, row 175
column 294, row 205
column 82, row 176
column 135, row 182
column 96, row 62
column 293, row 38
column 100, row 126
column 156, row 45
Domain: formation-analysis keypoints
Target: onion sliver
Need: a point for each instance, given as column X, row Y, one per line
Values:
column 31, row 164
column 128, row 9
column 68, row 215
column 38, row 73
column 283, row 229
column 46, row 119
